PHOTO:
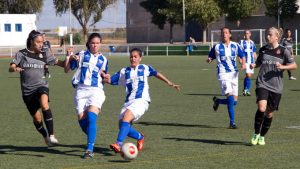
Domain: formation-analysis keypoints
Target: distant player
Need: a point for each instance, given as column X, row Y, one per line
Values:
column 89, row 94
column 225, row 54
column 30, row 62
column 249, row 49
column 48, row 50
column 273, row 59
column 135, row 80
column 287, row 42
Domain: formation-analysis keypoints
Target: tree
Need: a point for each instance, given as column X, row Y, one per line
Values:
column 87, row 12
column 239, row 9
column 204, row 12
column 21, row 6
column 288, row 9
column 164, row 11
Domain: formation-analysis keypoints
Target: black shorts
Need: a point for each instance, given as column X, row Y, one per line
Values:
column 33, row 101
column 273, row 99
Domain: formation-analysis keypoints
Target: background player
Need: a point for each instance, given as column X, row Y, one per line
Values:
column 227, row 72
column 135, row 80
column 48, row 50
column 273, row 59
column 89, row 94
column 287, row 42
column 30, row 63
column 249, row 49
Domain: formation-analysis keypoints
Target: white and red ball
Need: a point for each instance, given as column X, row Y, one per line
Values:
column 129, row 151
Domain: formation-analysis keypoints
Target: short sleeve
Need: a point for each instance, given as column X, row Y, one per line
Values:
column 288, row 58
column 152, row 71
column 17, row 59
column 212, row 53
column 51, row 60
column 114, row 79
column 240, row 51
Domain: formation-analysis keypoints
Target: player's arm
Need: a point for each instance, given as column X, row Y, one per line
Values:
column 211, row 55
column 242, row 57
column 71, row 61
column 166, row 80
column 13, row 68
column 290, row 63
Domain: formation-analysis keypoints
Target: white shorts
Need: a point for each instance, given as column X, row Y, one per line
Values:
column 248, row 70
column 228, row 83
column 138, row 107
column 86, row 95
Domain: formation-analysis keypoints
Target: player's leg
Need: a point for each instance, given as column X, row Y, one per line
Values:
column 47, row 113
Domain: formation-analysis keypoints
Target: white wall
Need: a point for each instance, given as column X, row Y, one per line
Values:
column 14, row 38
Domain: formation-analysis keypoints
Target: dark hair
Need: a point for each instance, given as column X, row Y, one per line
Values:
column 225, row 28
column 136, row 50
column 92, row 36
column 32, row 35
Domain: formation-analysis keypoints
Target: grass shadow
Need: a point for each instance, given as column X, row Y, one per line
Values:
column 219, row 142
column 201, row 94
column 295, row 90
column 173, row 124
column 100, row 150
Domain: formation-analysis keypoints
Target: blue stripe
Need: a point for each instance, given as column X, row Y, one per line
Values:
column 233, row 55
column 86, row 58
column 114, row 80
column 222, row 55
column 95, row 74
column 128, row 85
column 141, row 84
column 152, row 71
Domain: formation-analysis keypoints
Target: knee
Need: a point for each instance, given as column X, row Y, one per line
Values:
column 269, row 114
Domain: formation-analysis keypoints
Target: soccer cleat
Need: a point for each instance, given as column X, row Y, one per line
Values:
column 88, row 154
column 261, row 140
column 244, row 92
column 115, row 147
column 248, row 93
column 53, row 140
column 254, row 139
column 49, row 76
column 44, row 77
column 216, row 104
column 48, row 141
column 233, row 126
column 292, row 78
column 140, row 143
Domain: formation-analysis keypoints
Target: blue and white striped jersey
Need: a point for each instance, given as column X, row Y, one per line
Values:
column 89, row 69
column 249, row 49
column 135, row 81
column 226, row 56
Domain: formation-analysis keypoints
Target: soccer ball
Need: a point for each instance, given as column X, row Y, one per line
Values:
column 129, row 151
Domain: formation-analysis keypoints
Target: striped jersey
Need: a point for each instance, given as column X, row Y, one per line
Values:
column 89, row 69
column 135, row 81
column 226, row 56
column 249, row 49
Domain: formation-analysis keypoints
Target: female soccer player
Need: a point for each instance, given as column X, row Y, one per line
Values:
column 135, row 80
column 89, row 94
column 30, row 62
column 288, row 43
column 249, row 49
column 273, row 59
column 227, row 72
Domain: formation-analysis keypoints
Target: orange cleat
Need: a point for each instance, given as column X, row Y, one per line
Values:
column 140, row 143
column 115, row 147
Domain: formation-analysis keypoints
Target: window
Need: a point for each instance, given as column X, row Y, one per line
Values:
column 7, row 27
column 18, row 27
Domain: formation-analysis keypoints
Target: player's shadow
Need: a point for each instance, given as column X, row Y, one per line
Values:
column 295, row 90
column 100, row 150
column 149, row 123
column 22, row 150
column 201, row 94
column 219, row 142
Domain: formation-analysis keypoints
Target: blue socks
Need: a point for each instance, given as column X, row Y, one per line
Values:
column 230, row 107
column 123, row 132
column 84, row 125
column 91, row 130
column 247, row 83
column 134, row 134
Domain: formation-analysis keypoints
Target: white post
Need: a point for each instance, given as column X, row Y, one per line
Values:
column 167, row 50
column 260, row 37
column 147, row 50
column 296, row 37
column 11, row 53
column 70, row 27
column 183, row 18
column 211, row 38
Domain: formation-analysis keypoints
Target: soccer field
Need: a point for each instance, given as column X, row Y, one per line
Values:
column 181, row 128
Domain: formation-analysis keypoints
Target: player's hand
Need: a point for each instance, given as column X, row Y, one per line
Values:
column 243, row 67
column 252, row 66
column 105, row 76
column 177, row 87
column 70, row 51
column 18, row 69
column 209, row 60
column 279, row 66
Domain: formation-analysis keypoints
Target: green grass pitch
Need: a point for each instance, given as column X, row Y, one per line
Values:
column 181, row 128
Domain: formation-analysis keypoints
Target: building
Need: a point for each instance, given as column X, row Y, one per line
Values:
column 14, row 28
column 141, row 30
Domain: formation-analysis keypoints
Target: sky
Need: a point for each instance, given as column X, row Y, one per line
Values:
column 47, row 19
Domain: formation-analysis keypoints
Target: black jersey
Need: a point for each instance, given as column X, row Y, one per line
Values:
column 269, row 77
column 33, row 65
